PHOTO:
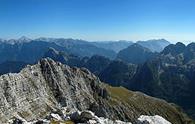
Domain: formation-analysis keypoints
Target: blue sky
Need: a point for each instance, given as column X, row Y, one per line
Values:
column 99, row 19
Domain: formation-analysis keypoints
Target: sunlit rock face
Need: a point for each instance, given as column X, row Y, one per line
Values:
column 144, row 119
column 47, row 87
column 87, row 117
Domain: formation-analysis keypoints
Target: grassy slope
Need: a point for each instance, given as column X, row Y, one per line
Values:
column 141, row 104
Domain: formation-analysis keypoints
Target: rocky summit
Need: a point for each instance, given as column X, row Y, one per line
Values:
column 50, row 92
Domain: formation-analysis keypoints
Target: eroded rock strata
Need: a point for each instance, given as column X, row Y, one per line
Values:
column 48, row 86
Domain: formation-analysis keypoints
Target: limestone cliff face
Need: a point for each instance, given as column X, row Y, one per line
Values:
column 38, row 89
column 47, row 86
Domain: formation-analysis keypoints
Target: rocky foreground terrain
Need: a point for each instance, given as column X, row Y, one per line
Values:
column 55, row 93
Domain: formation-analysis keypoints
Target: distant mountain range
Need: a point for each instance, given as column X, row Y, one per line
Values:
column 135, row 54
column 20, row 49
column 33, row 50
column 141, row 51
column 113, row 45
column 167, row 73
column 154, row 45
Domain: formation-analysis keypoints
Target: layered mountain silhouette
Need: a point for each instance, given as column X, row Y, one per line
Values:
column 168, row 74
column 29, row 52
column 20, row 49
column 118, row 73
column 154, row 45
column 113, row 45
column 69, row 59
column 135, row 54
column 33, row 50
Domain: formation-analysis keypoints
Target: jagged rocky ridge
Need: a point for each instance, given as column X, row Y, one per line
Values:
column 48, row 86
column 169, row 76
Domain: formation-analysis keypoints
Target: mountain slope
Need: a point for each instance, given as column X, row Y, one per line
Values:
column 118, row 73
column 65, row 58
column 154, row 45
column 169, row 76
column 95, row 64
column 174, row 49
column 31, row 51
column 80, row 47
column 47, row 86
column 135, row 54
column 113, row 45
column 11, row 66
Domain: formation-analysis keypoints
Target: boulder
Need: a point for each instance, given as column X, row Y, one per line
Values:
column 144, row 119
column 17, row 121
column 56, row 116
column 87, row 115
column 75, row 116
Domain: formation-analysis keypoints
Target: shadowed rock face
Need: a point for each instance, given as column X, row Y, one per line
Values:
column 11, row 66
column 47, row 86
column 135, row 54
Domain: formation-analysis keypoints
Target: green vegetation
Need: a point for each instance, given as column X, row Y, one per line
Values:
column 141, row 104
column 61, row 122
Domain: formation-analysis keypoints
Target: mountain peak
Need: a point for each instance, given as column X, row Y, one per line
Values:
column 136, row 54
column 52, row 50
column 50, row 86
column 174, row 49
column 24, row 39
column 137, row 45
column 180, row 44
column 155, row 45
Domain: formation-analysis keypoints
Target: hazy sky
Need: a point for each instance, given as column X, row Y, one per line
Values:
column 99, row 19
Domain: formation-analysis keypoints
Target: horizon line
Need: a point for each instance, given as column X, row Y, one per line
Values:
column 111, row 40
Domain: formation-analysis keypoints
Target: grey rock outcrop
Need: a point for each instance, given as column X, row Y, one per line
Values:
column 49, row 86
column 143, row 119
column 88, row 117
column 43, row 88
